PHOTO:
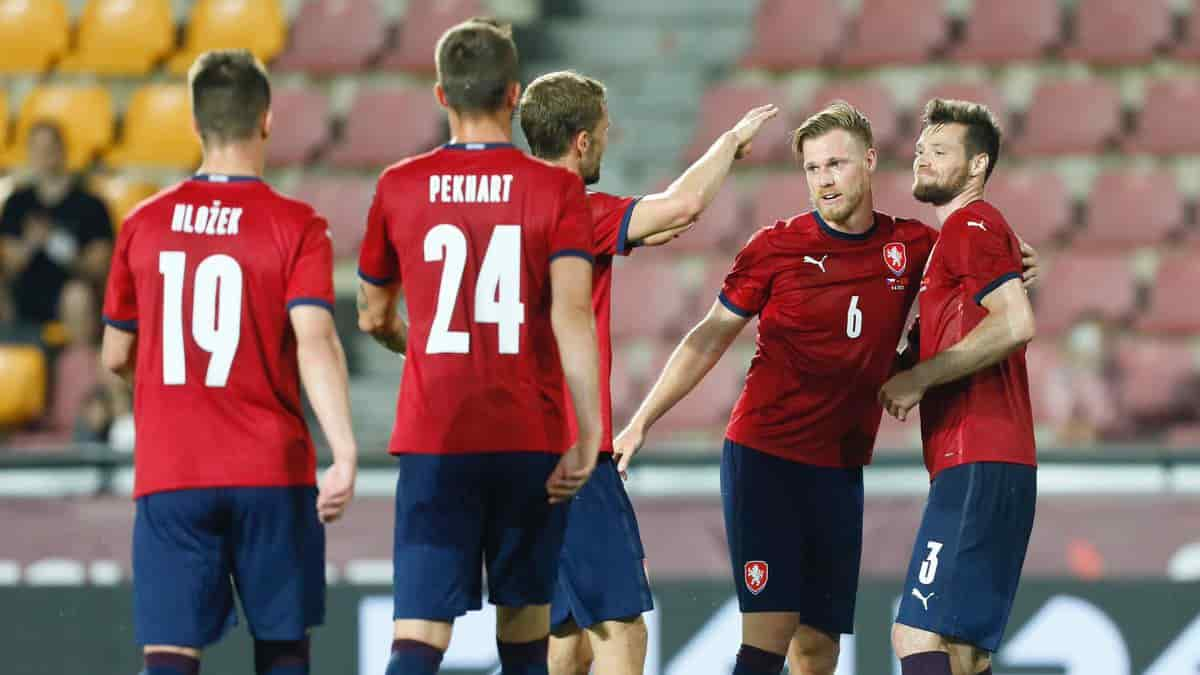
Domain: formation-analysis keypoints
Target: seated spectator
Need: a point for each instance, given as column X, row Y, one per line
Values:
column 51, row 231
column 1082, row 397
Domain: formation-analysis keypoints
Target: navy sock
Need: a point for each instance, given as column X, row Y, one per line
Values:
column 524, row 658
column 169, row 663
column 411, row 657
column 281, row 657
column 926, row 663
column 755, row 661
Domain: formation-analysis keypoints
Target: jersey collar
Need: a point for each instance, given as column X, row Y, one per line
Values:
column 836, row 234
column 477, row 146
column 222, row 178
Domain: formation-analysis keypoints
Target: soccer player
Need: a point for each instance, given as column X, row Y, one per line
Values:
column 832, row 289
column 219, row 303
column 493, row 250
column 976, row 419
column 602, row 587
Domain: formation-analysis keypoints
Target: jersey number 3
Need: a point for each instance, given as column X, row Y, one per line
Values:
column 497, row 290
column 216, row 315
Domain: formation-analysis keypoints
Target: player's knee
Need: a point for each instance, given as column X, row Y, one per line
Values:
column 569, row 658
column 907, row 640
column 281, row 657
column 983, row 662
column 813, row 656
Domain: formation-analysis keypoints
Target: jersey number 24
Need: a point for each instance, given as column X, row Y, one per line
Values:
column 497, row 289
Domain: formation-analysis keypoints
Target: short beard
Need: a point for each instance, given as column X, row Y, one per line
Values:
column 592, row 178
column 940, row 194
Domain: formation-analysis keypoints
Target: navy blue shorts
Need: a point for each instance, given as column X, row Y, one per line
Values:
column 967, row 559
column 602, row 572
column 192, row 548
column 456, row 514
column 795, row 536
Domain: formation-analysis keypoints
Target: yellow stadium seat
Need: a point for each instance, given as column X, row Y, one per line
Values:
column 22, row 385
column 3, row 120
column 34, row 33
column 84, row 114
column 257, row 25
column 121, row 37
column 121, row 194
column 158, row 130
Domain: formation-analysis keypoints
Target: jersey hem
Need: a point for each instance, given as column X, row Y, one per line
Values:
column 791, row 457
column 139, row 493
column 573, row 252
column 315, row 302
column 374, row 281
column 729, row 304
column 1017, row 462
column 489, row 451
column 623, row 244
column 127, row 326
column 997, row 283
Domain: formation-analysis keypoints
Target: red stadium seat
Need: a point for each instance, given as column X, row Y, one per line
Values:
column 299, row 125
column 655, row 273
column 319, row 41
column 873, row 99
column 1035, row 203
column 1154, row 376
column 706, row 409
column 1042, row 359
column 976, row 92
column 1166, row 124
column 1012, row 30
column 877, row 41
column 344, row 202
column 774, row 44
column 1143, row 27
column 892, row 192
column 1120, row 215
column 1189, row 48
column 719, row 227
column 1173, row 308
column 422, row 26
column 1084, row 283
column 724, row 104
column 779, row 197
column 386, row 125
column 1071, row 117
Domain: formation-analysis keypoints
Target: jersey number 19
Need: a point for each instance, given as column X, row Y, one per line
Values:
column 216, row 315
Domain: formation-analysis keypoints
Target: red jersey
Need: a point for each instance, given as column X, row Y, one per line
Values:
column 205, row 273
column 469, row 231
column 831, row 308
column 986, row 417
column 610, row 219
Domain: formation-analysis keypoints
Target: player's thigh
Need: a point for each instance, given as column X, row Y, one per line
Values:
column 439, row 534
column 967, row 558
column 602, row 571
column 523, row 532
column 619, row 645
column 570, row 651
column 278, row 546
column 181, row 589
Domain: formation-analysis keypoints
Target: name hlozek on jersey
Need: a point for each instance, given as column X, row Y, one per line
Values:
column 211, row 219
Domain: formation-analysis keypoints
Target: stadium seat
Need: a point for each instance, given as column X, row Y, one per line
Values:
column 1042, row 360
column 158, row 130
column 1013, row 30
column 83, row 113
column 4, row 119
column 1173, row 308
column 705, row 410
column 725, row 103
column 1120, row 215
column 877, row 41
column 257, row 25
column 630, row 284
column 423, row 24
column 1189, row 47
column 121, row 194
column 773, row 45
column 34, row 34
column 1079, row 284
column 319, row 43
column 76, row 374
column 892, row 193
column 779, row 197
column 722, row 227
column 299, row 127
column 874, row 100
column 22, row 385
column 976, row 92
column 1144, row 28
column 1166, row 121
column 1154, row 377
column 119, row 37
column 1035, row 203
column 1071, row 117
column 386, row 125
column 344, row 202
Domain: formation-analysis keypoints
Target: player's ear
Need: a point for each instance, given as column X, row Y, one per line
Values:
column 583, row 142
column 267, row 122
column 979, row 164
column 513, row 95
column 440, row 95
column 872, row 159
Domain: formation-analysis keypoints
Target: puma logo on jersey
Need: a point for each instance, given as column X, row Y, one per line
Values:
column 213, row 219
column 976, row 223
column 813, row 261
column 923, row 598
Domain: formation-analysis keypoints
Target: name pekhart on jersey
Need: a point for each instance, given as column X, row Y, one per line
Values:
column 831, row 308
column 469, row 232
column 986, row 417
column 205, row 273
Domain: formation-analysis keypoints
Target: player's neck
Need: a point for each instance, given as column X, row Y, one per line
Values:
column 232, row 160
column 858, row 222
column 493, row 128
column 571, row 162
column 970, row 194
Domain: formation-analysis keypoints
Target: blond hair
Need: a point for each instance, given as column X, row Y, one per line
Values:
column 837, row 115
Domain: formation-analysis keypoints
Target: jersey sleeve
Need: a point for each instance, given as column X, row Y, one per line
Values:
column 378, row 263
column 983, row 255
column 748, row 283
column 310, row 281
column 610, row 219
column 120, row 297
column 572, row 234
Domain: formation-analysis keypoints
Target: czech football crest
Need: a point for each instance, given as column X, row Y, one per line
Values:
column 896, row 257
column 756, row 576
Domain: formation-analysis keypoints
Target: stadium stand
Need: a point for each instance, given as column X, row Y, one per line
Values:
column 1070, row 117
column 118, row 37
column 299, row 125
column 873, row 98
column 1173, row 308
column 1165, row 121
column 387, row 123
column 121, row 193
column 1036, row 202
column 34, row 35
column 1004, row 32
column 725, row 104
column 319, row 43
column 877, row 42
column 1144, row 28
column 1082, row 284
column 344, row 202
column 21, row 404
column 1120, row 215
column 257, row 25
column 84, row 114
column 423, row 23
column 157, row 131
column 773, row 43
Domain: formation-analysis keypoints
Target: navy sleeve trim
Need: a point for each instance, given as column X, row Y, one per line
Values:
column 127, row 326
column 623, row 244
column 315, row 302
column 729, row 305
column 574, row 252
column 374, row 281
column 1003, row 279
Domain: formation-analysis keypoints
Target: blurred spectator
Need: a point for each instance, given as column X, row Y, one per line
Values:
column 51, row 231
column 1082, row 390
